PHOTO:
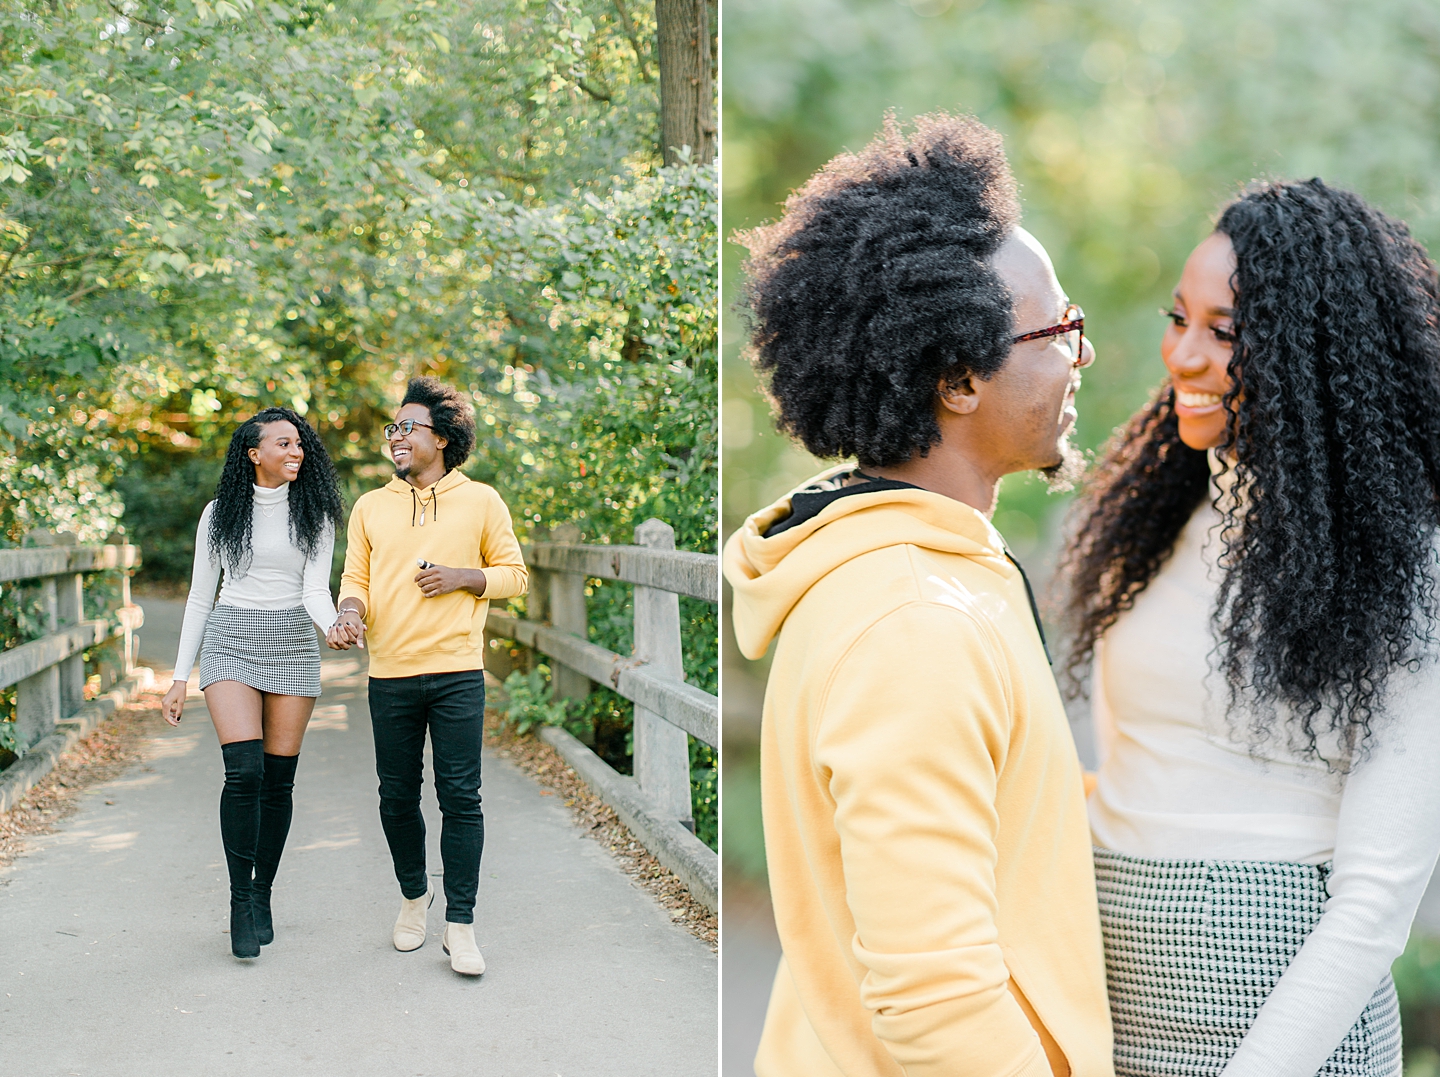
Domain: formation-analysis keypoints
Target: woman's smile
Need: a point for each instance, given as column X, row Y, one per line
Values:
column 1192, row 403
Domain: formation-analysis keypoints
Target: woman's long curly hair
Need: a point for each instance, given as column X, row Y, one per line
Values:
column 314, row 493
column 1334, row 428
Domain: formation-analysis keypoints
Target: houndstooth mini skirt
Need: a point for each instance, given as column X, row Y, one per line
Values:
column 1192, row 949
column 270, row 650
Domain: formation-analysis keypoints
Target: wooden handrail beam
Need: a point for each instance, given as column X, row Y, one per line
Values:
column 37, row 562
column 30, row 658
column 690, row 708
column 681, row 571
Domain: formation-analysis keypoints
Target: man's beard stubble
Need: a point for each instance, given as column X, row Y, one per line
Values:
column 1063, row 475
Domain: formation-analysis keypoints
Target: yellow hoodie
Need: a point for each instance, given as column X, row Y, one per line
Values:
column 465, row 525
column 925, row 824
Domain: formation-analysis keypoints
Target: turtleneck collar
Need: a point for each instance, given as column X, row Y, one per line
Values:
column 271, row 495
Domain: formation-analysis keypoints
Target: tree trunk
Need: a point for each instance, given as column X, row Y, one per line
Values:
column 685, row 43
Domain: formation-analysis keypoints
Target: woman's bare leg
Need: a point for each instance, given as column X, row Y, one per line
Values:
column 285, row 719
column 236, row 710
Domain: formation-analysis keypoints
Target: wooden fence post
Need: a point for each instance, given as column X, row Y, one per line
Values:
column 37, row 697
column 662, row 751
column 567, row 613
column 132, row 642
column 537, row 602
column 70, row 610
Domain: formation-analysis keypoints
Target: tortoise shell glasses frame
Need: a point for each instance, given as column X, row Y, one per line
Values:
column 1073, row 321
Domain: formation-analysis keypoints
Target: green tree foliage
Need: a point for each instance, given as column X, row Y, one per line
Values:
column 209, row 206
column 203, row 207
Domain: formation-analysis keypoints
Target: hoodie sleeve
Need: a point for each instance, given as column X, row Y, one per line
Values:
column 912, row 762
column 505, row 572
column 355, row 580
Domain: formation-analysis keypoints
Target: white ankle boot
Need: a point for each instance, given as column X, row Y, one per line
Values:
column 464, row 954
column 410, row 924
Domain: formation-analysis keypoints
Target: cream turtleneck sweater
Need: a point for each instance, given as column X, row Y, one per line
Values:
column 277, row 578
column 1176, row 782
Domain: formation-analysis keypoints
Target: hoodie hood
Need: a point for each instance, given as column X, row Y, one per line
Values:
column 425, row 504
column 771, row 574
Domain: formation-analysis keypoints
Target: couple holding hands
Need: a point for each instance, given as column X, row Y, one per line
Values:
column 266, row 541
column 1249, row 588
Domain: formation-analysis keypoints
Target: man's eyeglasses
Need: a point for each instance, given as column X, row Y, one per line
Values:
column 404, row 426
column 1071, row 330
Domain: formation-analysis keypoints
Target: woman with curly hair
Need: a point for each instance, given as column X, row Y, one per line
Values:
column 1254, row 577
column 269, row 533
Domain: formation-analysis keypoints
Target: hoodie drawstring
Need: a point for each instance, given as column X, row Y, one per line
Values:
column 1034, row 608
column 434, row 505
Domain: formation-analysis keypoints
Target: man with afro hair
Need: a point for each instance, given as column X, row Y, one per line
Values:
column 427, row 554
column 924, row 808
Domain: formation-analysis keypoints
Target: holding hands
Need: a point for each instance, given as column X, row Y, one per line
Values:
column 347, row 631
column 349, row 628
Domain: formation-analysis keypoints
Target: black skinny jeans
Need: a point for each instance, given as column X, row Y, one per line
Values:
column 452, row 707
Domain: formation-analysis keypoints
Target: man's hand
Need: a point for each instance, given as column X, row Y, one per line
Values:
column 440, row 580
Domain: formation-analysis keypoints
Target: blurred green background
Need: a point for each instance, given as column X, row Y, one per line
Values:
column 1127, row 124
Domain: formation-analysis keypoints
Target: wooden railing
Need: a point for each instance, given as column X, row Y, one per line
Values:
column 655, row 803
column 49, row 673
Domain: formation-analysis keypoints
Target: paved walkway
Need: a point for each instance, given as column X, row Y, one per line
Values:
column 114, row 960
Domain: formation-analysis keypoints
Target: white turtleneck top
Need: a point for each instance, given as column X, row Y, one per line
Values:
column 277, row 578
column 1177, row 781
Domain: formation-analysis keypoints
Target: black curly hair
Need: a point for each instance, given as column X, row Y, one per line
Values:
column 314, row 493
column 1334, row 423
column 451, row 414
column 877, row 283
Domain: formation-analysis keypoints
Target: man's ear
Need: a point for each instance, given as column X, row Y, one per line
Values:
column 958, row 396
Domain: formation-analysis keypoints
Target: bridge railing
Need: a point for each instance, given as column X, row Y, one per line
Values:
column 48, row 674
column 655, row 804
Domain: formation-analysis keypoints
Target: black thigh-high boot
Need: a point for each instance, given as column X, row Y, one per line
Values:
column 276, row 808
column 239, row 831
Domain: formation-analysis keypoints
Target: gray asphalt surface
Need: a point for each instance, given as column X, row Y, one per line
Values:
column 114, row 959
